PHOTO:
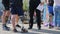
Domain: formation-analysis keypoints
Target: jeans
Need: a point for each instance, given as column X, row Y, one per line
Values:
column 57, row 15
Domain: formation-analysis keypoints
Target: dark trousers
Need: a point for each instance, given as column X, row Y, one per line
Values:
column 32, row 8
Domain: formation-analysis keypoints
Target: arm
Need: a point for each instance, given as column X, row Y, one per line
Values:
column 42, row 2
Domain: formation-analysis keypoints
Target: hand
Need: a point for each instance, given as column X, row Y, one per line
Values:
column 42, row 3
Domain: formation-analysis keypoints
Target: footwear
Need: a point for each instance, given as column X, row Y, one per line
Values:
column 29, row 28
column 18, row 26
column 15, row 30
column 23, row 30
column 51, row 26
column 39, row 28
column 46, row 24
column 6, row 28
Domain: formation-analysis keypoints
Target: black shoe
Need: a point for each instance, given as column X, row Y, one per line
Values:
column 39, row 28
column 6, row 28
column 15, row 30
column 50, row 26
column 18, row 26
column 29, row 28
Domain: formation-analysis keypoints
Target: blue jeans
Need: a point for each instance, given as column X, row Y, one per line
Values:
column 57, row 15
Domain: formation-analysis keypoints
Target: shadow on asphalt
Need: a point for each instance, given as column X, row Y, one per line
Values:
column 27, row 33
column 46, row 31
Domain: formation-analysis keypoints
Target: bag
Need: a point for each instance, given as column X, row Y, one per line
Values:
column 40, row 7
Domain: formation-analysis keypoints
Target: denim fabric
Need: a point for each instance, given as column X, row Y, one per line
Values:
column 57, row 15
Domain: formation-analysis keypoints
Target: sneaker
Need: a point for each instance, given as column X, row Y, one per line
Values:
column 23, row 30
column 6, row 28
column 46, row 24
column 15, row 30
column 29, row 28
column 18, row 26
column 39, row 28
column 51, row 26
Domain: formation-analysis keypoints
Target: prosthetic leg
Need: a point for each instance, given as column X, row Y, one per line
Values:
column 23, row 30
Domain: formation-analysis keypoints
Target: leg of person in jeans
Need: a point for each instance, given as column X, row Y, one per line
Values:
column 57, row 17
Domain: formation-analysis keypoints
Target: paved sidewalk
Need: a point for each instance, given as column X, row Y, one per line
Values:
column 44, row 30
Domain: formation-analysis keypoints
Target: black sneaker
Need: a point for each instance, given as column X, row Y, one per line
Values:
column 29, row 28
column 39, row 28
column 6, row 28
column 15, row 30
column 50, row 26
column 18, row 26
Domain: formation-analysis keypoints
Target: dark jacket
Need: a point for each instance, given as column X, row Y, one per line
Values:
column 5, row 1
column 17, row 2
column 34, row 3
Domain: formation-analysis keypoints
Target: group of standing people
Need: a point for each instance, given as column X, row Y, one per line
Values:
column 17, row 10
column 54, row 13
column 16, row 7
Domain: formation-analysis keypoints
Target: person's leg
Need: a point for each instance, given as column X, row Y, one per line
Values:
column 17, row 18
column 8, row 13
column 13, row 22
column 13, row 17
column 16, row 21
column 19, row 13
column 56, row 10
column 51, row 21
column 38, row 16
column 4, row 16
column 31, row 13
column 55, row 13
column 58, row 17
column 4, row 21
column 50, row 8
